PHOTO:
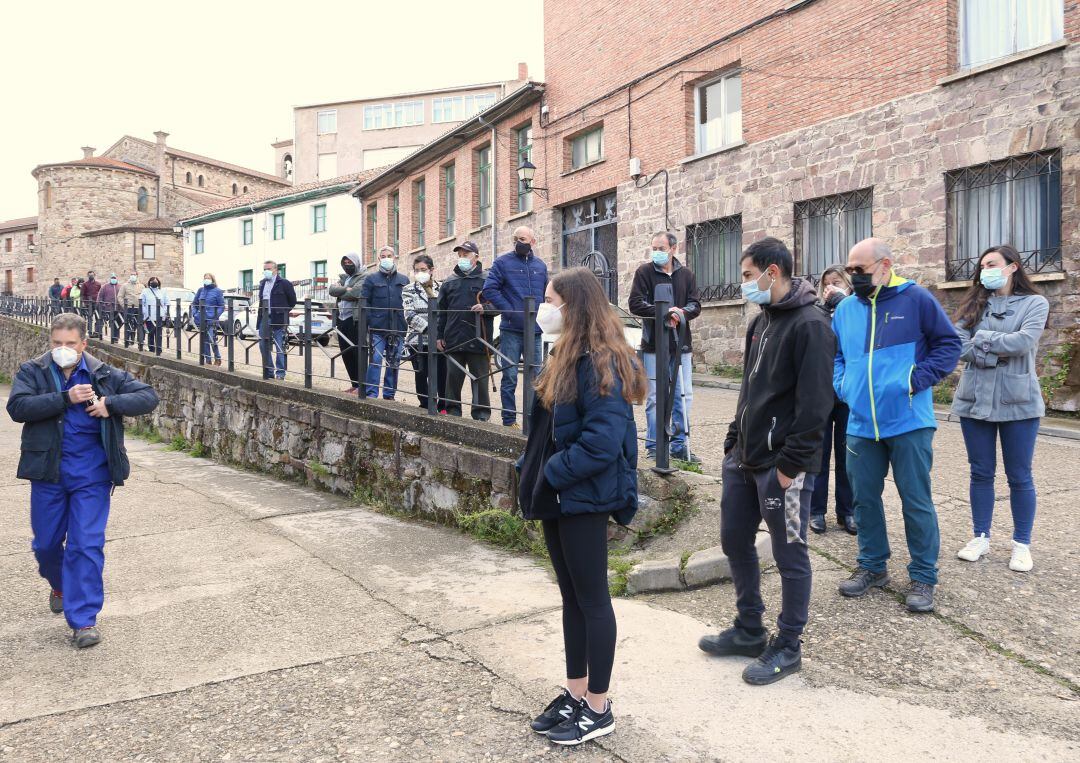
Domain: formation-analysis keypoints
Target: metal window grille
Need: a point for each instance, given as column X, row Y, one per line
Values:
column 1015, row 201
column 827, row 227
column 713, row 253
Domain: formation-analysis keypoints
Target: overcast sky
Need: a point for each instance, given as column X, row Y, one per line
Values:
column 222, row 77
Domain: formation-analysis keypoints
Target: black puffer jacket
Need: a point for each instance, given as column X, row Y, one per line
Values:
column 786, row 393
column 459, row 328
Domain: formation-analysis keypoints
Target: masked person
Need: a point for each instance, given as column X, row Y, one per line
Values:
column 894, row 343
column 835, row 287
column 664, row 268
column 579, row 469
column 347, row 293
column 106, row 302
column 71, row 406
column 386, row 324
column 152, row 302
column 416, row 297
column 514, row 277
column 1000, row 322
column 466, row 321
column 128, row 302
column 90, row 289
column 771, row 456
column 206, row 310
column 276, row 298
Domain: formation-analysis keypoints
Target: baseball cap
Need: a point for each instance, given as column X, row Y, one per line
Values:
column 467, row 246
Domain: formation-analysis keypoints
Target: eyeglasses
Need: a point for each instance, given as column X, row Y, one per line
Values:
column 858, row 270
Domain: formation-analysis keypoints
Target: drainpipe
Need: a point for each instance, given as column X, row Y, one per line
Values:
column 494, row 194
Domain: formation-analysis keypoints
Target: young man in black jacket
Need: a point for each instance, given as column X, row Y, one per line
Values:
column 664, row 268
column 465, row 319
column 772, row 452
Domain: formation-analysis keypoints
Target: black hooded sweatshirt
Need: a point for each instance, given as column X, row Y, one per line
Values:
column 786, row 393
column 460, row 329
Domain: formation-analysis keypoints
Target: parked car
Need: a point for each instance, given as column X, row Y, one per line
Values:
column 186, row 296
column 246, row 316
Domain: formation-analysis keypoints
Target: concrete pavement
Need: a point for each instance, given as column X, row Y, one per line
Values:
column 247, row 619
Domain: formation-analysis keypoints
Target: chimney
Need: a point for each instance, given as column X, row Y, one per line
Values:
column 523, row 72
column 159, row 165
column 88, row 152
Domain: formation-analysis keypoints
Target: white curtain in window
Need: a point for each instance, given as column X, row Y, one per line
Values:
column 732, row 110
column 1039, row 22
column 992, row 29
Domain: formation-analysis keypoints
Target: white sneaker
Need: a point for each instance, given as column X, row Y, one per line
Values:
column 1021, row 558
column 975, row 549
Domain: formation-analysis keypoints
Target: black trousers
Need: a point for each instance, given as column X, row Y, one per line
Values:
column 419, row 360
column 131, row 326
column 350, row 355
column 577, row 545
column 477, row 363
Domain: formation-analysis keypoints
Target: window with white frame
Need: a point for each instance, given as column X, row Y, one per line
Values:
column 327, row 166
column 587, row 148
column 827, row 227
column 483, row 187
column 457, row 108
column 381, row 116
column 420, row 211
column 149, row 252
column 278, row 222
column 524, row 142
column 200, row 241
column 247, row 232
column 993, row 29
column 718, row 113
column 450, row 199
column 318, row 218
column 327, row 121
column 318, row 269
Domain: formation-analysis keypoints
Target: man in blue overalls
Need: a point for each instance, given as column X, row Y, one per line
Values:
column 72, row 406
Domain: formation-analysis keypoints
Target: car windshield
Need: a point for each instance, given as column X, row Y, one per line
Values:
column 186, row 295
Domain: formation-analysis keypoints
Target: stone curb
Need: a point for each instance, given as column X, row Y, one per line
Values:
column 703, row 568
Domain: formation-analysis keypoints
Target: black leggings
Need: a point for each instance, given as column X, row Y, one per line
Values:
column 578, row 548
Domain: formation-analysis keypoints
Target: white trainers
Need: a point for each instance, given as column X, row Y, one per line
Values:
column 975, row 549
column 1021, row 558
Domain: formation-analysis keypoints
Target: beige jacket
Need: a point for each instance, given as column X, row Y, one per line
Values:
column 129, row 294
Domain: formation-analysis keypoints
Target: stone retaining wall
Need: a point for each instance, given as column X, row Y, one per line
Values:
column 381, row 453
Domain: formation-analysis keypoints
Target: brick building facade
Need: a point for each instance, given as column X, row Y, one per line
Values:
column 816, row 121
column 116, row 212
column 18, row 263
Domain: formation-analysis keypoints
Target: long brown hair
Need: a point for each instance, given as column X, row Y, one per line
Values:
column 589, row 326
column 974, row 302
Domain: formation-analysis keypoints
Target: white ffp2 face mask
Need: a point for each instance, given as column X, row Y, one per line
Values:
column 65, row 357
column 549, row 318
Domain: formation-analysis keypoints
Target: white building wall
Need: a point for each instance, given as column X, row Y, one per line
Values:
column 226, row 256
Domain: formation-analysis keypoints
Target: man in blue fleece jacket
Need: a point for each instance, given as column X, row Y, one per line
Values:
column 894, row 343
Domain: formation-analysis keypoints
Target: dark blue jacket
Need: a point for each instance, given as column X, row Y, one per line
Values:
column 594, row 466
column 511, row 279
column 282, row 300
column 39, row 404
column 382, row 294
column 55, row 290
column 208, row 305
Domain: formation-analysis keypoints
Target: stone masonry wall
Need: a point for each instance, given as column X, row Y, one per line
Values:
column 381, row 453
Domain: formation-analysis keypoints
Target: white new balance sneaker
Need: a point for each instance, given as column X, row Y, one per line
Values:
column 975, row 549
column 1021, row 558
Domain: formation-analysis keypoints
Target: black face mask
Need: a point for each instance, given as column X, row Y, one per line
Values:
column 863, row 285
column 349, row 268
column 154, row 284
column 522, row 249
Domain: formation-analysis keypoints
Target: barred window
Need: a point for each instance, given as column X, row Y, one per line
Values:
column 827, row 227
column 713, row 251
column 1016, row 201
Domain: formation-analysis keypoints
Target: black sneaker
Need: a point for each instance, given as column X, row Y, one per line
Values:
column 778, row 660
column 56, row 602
column 920, row 597
column 685, row 455
column 861, row 581
column 734, row 641
column 558, row 710
column 85, row 637
column 583, row 725
column 817, row 523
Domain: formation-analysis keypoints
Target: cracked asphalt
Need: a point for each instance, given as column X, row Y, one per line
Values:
column 252, row 620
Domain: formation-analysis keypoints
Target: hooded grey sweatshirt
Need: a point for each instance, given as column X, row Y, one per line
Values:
column 348, row 290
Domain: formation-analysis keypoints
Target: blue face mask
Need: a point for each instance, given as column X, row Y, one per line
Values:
column 660, row 258
column 206, row 282
column 992, row 278
column 464, row 264
column 386, row 264
column 268, row 274
column 753, row 293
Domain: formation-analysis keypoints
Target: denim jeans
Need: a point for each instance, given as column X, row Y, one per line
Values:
column 512, row 345
column 272, row 367
column 911, row 456
column 208, row 342
column 1017, row 450
column 835, row 441
column 680, row 411
column 385, row 349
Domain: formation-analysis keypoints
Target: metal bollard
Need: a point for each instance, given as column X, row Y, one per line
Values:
column 362, row 353
column 230, row 338
column 529, row 363
column 307, row 342
column 432, row 362
column 177, row 329
column 663, row 379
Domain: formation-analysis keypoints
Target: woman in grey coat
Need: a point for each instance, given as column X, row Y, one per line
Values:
column 1000, row 322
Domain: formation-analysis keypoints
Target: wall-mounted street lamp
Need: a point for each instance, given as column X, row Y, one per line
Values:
column 526, row 172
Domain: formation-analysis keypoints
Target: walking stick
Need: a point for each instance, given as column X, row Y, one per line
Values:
column 483, row 338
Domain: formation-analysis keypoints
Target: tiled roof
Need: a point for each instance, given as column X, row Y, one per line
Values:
column 206, row 199
column 205, row 160
column 262, row 195
column 19, row 223
column 149, row 224
column 100, row 161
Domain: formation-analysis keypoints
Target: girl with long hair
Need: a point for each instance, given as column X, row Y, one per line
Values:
column 578, row 469
column 1000, row 321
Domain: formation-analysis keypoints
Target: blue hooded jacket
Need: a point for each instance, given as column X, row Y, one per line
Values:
column 890, row 351
column 510, row 280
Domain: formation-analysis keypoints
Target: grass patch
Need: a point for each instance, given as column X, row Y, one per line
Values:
column 727, row 371
column 687, row 466
column 684, row 559
column 501, row 528
column 1062, row 359
column 5, row 378
column 179, row 444
column 943, row 392
column 198, row 450
column 620, row 566
column 318, row 468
